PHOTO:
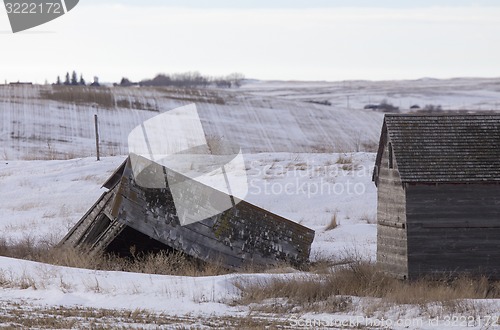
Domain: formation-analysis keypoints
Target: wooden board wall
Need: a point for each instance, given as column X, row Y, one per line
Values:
column 453, row 228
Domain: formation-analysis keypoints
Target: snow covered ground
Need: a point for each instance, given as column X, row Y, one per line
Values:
column 301, row 163
column 261, row 116
column 50, row 196
column 452, row 94
column 32, row 127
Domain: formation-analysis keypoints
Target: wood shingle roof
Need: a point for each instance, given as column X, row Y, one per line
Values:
column 444, row 148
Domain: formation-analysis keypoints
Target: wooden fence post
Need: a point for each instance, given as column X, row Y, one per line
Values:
column 97, row 137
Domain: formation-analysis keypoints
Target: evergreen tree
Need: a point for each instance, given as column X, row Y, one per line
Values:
column 125, row 82
column 66, row 81
column 74, row 79
column 82, row 81
column 58, row 82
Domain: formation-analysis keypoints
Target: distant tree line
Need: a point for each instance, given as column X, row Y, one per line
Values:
column 429, row 109
column 187, row 80
column 182, row 80
column 73, row 80
column 383, row 106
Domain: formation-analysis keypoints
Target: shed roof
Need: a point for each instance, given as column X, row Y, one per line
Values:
column 444, row 148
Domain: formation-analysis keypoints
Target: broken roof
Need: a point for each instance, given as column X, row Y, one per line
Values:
column 444, row 148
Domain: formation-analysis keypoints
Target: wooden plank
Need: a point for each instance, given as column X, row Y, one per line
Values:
column 466, row 223
column 82, row 227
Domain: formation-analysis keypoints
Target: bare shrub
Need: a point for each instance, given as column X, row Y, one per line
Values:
column 21, row 249
column 27, row 281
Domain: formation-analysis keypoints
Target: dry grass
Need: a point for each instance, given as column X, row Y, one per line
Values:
column 324, row 149
column 356, row 146
column 164, row 263
column 333, row 223
column 109, row 98
column 369, row 147
column 330, row 292
column 369, row 218
column 6, row 174
column 297, row 294
column 136, row 104
column 161, row 263
column 194, row 95
column 298, row 166
column 346, row 162
column 49, row 154
column 328, row 287
column 94, row 178
column 101, row 96
column 344, row 159
column 24, row 207
column 5, row 154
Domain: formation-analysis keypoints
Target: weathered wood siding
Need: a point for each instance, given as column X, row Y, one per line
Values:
column 243, row 234
column 453, row 228
column 391, row 219
column 96, row 229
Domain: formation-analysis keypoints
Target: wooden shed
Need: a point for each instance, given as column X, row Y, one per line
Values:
column 147, row 219
column 438, row 180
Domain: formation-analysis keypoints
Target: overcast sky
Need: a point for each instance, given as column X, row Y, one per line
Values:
column 273, row 39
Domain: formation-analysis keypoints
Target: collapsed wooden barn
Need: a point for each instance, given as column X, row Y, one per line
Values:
column 129, row 215
column 438, row 182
